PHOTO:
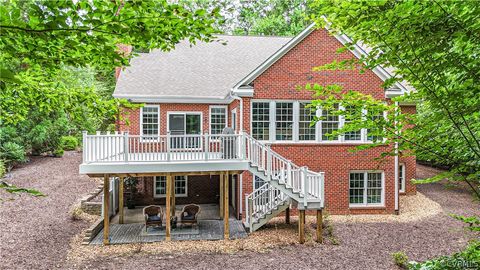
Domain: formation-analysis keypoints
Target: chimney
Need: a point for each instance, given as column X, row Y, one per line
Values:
column 125, row 50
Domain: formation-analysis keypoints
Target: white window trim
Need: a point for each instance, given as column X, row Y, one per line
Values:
column 296, row 123
column 254, row 181
column 362, row 131
column 404, row 182
column 269, row 117
column 273, row 131
column 185, row 113
column 210, row 116
column 320, row 132
column 141, row 122
column 234, row 123
column 296, row 126
column 365, row 204
column 155, row 195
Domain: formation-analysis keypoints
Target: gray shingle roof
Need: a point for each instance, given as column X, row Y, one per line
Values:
column 204, row 70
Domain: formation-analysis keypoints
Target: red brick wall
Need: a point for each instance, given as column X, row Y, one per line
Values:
column 133, row 125
column 279, row 82
column 201, row 189
column 234, row 105
column 409, row 160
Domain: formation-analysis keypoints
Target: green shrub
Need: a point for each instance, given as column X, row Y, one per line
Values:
column 3, row 168
column 45, row 135
column 9, row 134
column 58, row 152
column 466, row 259
column 69, row 143
column 12, row 152
column 400, row 259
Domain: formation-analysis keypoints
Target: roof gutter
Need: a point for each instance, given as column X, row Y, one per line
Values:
column 175, row 99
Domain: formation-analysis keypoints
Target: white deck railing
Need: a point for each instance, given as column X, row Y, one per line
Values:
column 125, row 148
column 122, row 147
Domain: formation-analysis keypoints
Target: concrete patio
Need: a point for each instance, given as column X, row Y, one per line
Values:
column 135, row 232
column 210, row 227
column 207, row 212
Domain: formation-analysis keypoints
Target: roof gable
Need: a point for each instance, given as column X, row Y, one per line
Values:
column 243, row 87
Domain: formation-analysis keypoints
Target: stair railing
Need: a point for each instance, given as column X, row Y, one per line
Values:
column 307, row 183
column 262, row 201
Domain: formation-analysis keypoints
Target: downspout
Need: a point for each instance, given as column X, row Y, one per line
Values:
column 241, row 130
column 397, row 211
column 241, row 109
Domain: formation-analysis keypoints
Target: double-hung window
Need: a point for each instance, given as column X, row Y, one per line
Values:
column 218, row 119
column 284, row 121
column 366, row 188
column 306, row 131
column 372, row 135
column 261, row 120
column 401, row 177
column 353, row 113
column 330, row 124
column 150, row 121
column 160, row 186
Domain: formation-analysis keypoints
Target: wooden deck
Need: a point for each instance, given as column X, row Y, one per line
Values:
column 135, row 232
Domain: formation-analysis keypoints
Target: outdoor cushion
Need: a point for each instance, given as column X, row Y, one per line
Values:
column 153, row 218
column 189, row 217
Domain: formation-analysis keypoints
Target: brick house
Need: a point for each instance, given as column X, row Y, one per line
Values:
column 274, row 157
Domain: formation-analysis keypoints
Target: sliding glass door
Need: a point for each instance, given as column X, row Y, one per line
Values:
column 185, row 124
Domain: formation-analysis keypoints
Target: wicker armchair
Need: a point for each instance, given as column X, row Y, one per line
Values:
column 153, row 216
column 189, row 214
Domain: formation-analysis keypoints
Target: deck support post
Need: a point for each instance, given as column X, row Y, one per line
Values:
column 226, row 226
column 106, row 209
column 319, row 226
column 287, row 215
column 120, row 201
column 172, row 205
column 221, row 195
column 168, row 211
column 301, row 226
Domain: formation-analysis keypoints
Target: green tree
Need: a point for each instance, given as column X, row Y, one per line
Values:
column 434, row 45
column 262, row 17
column 39, row 37
column 57, row 59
